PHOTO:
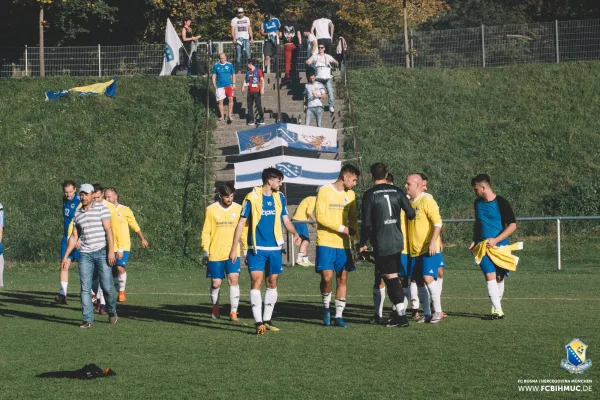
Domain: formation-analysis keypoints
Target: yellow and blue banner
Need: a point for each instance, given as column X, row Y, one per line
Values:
column 108, row 88
column 301, row 137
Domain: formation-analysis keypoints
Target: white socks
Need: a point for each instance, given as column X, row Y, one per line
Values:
column 440, row 282
column 339, row 307
column 1, row 270
column 424, row 299
column 270, row 300
column 122, row 281
column 63, row 288
column 414, row 296
column 256, row 303
column 300, row 257
column 493, row 292
column 400, row 308
column 434, row 291
column 100, row 296
column 234, row 297
column 379, row 300
column 501, row 289
column 326, row 299
column 214, row 295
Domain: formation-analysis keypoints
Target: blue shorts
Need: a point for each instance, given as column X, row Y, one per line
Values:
column 487, row 266
column 302, row 230
column 332, row 259
column 268, row 261
column 404, row 267
column 63, row 249
column 443, row 264
column 218, row 269
column 123, row 261
column 427, row 265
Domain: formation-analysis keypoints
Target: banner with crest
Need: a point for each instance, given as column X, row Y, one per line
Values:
column 302, row 137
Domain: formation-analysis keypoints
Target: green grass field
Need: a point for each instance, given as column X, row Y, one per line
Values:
column 165, row 344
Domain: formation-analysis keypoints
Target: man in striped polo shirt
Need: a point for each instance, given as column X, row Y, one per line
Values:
column 93, row 228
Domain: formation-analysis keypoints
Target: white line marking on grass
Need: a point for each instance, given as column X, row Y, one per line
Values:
column 370, row 296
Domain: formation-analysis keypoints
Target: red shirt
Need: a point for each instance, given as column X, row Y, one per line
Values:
column 253, row 80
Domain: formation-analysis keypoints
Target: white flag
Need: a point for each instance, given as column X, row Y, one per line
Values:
column 299, row 170
column 172, row 46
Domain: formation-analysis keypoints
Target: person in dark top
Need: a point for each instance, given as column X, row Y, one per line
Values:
column 381, row 207
column 189, row 59
column 292, row 42
column 495, row 222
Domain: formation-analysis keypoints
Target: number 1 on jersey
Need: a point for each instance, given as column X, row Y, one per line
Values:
column 387, row 197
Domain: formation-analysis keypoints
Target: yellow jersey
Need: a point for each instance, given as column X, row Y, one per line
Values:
column 218, row 230
column 306, row 207
column 403, row 229
column 122, row 222
column 334, row 211
column 420, row 229
column 113, row 219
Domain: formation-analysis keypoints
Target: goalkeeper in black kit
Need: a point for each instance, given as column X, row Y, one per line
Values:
column 381, row 206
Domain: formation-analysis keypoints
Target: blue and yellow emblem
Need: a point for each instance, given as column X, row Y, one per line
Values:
column 576, row 361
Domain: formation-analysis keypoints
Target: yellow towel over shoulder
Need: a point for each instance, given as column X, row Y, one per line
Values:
column 501, row 256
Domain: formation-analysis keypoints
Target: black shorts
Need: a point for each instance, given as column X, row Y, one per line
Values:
column 387, row 264
column 269, row 48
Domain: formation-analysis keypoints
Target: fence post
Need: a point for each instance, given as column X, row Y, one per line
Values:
column 99, row 61
column 483, row 44
column 412, row 46
column 26, row 67
column 558, row 242
column 556, row 34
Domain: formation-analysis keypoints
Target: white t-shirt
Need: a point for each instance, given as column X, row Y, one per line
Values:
column 310, row 39
column 321, row 64
column 241, row 27
column 322, row 28
column 311, row 90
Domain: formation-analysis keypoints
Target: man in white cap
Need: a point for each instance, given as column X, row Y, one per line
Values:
column 93, row 228
column 241, row 33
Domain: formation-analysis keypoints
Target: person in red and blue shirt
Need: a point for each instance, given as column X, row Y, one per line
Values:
column 255, row 83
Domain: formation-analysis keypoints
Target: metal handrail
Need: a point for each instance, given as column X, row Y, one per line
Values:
column 558, row 219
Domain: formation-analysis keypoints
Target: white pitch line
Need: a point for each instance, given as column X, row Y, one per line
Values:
column 282, row 295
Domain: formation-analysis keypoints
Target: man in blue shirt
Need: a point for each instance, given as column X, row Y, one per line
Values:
column 224, row 82
column 494, row 222
column 70, row 203
column 264, row 209
column 270, row 29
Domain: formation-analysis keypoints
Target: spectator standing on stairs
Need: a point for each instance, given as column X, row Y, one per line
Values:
column 322, row 63
column 241, row 33
column 314, row 93
column 323, row 30
column 292, row 42
column 224, row 82
column 270, row 29
column 311, row 49
column 255, row 82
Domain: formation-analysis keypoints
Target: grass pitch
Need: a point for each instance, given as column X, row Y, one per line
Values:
column 166, row 345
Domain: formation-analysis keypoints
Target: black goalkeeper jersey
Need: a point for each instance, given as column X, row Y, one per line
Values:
column 381, row 207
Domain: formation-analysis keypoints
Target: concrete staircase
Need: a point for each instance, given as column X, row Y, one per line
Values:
column 224, row 152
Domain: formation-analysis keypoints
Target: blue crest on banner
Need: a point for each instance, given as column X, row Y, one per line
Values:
column 169, row 56
column 289, row 170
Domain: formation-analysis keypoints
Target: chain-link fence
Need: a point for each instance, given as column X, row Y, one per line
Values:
column 469, row 47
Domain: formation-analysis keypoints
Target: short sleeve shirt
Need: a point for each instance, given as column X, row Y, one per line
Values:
column 312, row 91
column 265, row 234
column 223, row 73
column 321, row 64
column 289, row 31
column 322, row 28
column 241, row 26
column 89, row 225
column 253, row 80
column 271, row 27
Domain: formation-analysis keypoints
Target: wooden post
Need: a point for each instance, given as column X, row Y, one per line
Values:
column 42, row 68
column 406, row 53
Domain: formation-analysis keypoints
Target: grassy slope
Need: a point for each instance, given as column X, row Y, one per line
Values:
column 533, row 128
column 166, row 346
column 145, row 142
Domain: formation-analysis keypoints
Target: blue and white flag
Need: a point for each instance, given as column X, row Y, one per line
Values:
column 172, row 46
column 309, row 138
column 299, row 170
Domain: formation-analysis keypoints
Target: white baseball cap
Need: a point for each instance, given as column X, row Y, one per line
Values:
column 86, row 188
column 240, row 10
